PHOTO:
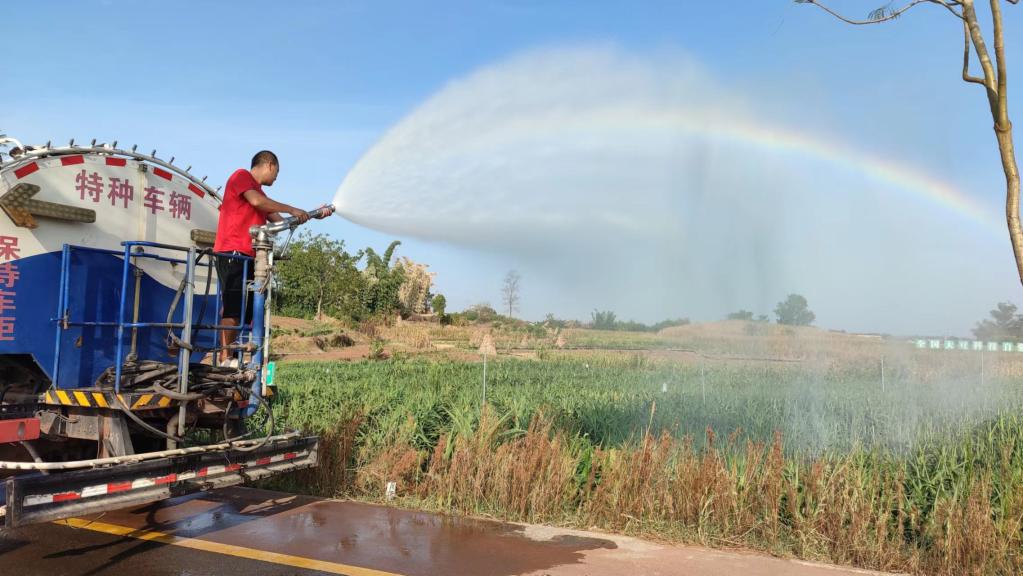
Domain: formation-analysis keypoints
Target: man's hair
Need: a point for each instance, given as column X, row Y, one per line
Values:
column 265, row 157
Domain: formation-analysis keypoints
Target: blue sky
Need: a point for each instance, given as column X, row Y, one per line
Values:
column 321, row 82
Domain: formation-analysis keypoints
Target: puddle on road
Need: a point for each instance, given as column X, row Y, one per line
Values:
column 402, row 541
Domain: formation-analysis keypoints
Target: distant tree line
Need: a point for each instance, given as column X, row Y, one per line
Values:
column 608, row 320
column 794, row 310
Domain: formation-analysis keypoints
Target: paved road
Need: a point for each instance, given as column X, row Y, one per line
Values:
column 256, row 532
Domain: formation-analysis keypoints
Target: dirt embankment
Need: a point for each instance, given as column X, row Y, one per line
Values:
column 299, row 339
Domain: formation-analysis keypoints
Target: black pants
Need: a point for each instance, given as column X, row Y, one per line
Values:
column 233, row 277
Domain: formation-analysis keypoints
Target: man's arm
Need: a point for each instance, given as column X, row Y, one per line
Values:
column 271, row 207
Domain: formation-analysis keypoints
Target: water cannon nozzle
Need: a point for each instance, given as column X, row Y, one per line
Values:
column 326, row 210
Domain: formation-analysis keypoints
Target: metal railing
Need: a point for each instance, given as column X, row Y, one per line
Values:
column 131, row 253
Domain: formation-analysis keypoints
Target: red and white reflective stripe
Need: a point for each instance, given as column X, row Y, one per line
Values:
column 26, row 170
column 115, row 487
column 168, row 479
column 119, row 487
column 76, row 159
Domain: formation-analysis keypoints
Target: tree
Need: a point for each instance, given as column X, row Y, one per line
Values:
column 383, row 281
column 741, row 315
column 438, row 304
column 482, row 312
column 414, row 292
column 604, row 320
column 318, row 277
column 794, row 311
column 510, row 292
column 993, row 80
column 1004, row 324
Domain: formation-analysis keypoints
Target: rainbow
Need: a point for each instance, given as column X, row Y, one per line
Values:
column 772, row 138
column 907, row 178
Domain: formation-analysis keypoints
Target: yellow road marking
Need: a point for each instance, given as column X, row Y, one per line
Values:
column 64, row 398
column 83, row 400
column 100, row 400
column 226, row 549
column 142, row 401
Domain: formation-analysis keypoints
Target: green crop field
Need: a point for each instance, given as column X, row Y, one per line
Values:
column 918, row 470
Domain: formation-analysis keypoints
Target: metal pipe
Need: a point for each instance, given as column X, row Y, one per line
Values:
column 133, row 458
column 159, row 258
column 172, row 425
column 154, row 325
column 97, row 250
column 138, row 255
column 267, row 304
column 65, row 262
column 179, row 325
column 133, row 354
column 120, row 319
column 184, row 354
column 150, row 244
column 291, row 222
column 27, row 445
column 245, row 304
column 216, row 327
column 263, row 244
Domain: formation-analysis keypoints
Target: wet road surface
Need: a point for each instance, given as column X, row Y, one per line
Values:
column 257, row 532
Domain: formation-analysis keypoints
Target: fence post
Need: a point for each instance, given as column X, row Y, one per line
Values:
column 703, row 378
column 882, row 374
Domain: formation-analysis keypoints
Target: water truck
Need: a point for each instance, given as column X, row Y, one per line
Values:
column 111, row 393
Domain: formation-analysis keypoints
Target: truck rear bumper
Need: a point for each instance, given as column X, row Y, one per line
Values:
column 36, row 497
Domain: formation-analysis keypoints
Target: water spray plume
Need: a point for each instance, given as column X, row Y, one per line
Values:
column 645, row 185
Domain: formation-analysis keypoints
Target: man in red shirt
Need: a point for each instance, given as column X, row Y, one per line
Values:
column 244, row 206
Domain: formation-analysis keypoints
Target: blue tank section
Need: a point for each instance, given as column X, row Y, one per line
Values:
column 94, row 294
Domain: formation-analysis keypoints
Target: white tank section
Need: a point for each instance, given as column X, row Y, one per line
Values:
column 133, row 197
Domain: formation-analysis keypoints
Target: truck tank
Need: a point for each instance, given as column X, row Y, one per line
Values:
column 109, row 307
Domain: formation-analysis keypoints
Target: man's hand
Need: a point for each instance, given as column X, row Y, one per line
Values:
column 323, row 213
column 301, row 215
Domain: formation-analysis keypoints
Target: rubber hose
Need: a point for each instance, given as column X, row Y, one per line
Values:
column 132, row 458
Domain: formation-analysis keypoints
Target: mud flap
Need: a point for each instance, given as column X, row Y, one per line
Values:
column 35, row 497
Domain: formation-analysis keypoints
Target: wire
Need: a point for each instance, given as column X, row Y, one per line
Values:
column 134, row 418
column 132, row 458
column 268, row 420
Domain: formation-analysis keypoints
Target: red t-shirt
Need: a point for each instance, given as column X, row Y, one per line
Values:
column 237, row 215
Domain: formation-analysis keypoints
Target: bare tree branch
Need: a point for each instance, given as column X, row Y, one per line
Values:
column 966, row 57
column 994, row 81
column 949, row 5
column 1003, row 106
column 883, row 14
column 977, row 36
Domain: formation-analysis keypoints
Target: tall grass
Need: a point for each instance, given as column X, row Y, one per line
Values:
column 816, row 459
